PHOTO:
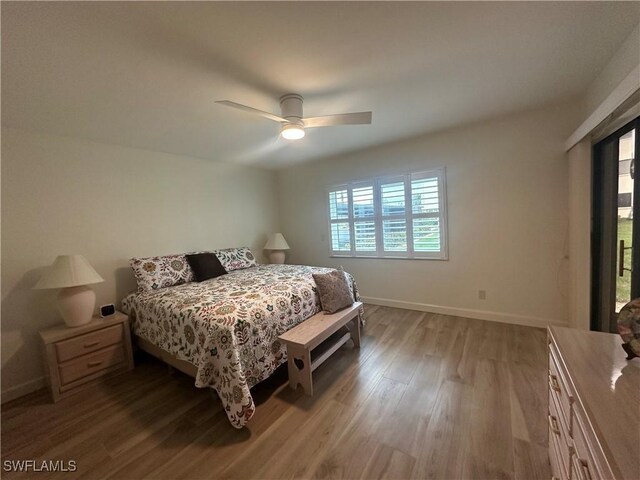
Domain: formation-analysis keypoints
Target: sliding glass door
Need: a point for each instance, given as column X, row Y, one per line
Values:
column 616, row 225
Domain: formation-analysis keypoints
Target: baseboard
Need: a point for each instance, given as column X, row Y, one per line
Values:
column 23, row 389
column 466, row 312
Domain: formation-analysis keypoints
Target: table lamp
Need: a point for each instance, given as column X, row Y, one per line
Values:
column 71, row 274
column 277, row 244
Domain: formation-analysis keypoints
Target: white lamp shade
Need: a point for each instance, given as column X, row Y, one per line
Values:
column 69, row 271
column 276, row 242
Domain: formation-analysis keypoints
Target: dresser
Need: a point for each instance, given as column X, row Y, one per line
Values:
column 594, row 407
column 74, row 357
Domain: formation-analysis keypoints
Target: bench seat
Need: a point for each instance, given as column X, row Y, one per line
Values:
column 326, row 331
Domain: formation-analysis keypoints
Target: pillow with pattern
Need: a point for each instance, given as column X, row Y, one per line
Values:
column 333, row 290
column 153, row 273
column 236, row 258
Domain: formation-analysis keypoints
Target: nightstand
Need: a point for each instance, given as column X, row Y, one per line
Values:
column 74, row 357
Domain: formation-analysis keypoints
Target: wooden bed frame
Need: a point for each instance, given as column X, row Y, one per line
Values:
column 166, row 357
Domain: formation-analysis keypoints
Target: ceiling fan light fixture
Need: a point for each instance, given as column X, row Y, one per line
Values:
column 292, row 131
column 292, row 122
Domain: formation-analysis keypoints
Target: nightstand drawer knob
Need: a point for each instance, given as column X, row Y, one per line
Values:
column 91, row 344
column 94, row 364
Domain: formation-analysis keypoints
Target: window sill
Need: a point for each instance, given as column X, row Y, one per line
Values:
column 388, row 258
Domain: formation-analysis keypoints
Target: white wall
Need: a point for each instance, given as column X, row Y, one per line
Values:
column 508, row 218
column 626, row 58
column 579, row 159
column 65, row 196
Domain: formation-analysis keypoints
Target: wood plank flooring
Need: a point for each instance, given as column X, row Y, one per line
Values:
column 427, row 396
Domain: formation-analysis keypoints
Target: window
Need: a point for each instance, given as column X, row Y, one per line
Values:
column 397, row 217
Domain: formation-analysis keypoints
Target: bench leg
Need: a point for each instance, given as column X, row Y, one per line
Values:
column 306, row 380
column 355, row 332
column 293, row 371
column 299, row 365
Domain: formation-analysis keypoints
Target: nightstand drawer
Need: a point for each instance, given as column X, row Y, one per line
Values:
column 89, row 364
column 88, row 343
column 76, row 358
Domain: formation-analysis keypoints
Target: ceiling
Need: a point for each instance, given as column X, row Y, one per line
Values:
column 146, row 74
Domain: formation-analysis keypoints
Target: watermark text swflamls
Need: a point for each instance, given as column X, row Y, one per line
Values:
column 39, row 465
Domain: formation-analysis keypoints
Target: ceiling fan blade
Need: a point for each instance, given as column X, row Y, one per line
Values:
column 239, row 106
column 358, row 118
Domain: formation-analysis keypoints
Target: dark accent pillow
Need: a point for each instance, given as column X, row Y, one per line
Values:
column 333, row 290
column 205, row 266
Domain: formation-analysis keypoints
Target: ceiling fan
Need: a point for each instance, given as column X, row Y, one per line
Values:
column 293, row 124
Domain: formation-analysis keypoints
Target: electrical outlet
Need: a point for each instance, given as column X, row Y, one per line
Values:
column 482, row 294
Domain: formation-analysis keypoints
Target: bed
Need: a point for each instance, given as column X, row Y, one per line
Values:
column 224, row 331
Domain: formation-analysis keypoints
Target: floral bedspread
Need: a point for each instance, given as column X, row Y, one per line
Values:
column 228, row 327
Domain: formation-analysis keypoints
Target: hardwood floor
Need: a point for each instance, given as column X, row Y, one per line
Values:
column 427, row 396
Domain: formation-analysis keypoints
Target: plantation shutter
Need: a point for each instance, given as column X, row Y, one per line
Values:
column 403, row 216
column 393, row 205
column 364, row 222
column 339, row 220
column 427, row 212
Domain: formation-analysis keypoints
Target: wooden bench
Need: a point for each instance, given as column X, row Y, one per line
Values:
column 326, row 331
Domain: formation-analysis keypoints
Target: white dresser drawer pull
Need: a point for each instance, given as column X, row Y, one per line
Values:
column 553, row 424
column 553, row 381
column 94, row 364
column 91, row 344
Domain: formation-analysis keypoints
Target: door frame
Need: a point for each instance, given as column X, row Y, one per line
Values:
column 604, row 228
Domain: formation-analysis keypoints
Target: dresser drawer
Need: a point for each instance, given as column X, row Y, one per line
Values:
column 90, row 364
column 559, row 435
column 580, row 469
column 88, row 343
column 559, row 388
column 563, row 417
column 555, row 459
column 583, row 463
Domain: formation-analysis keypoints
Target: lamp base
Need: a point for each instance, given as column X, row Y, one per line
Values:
column 276, row 256
column 76, row 305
